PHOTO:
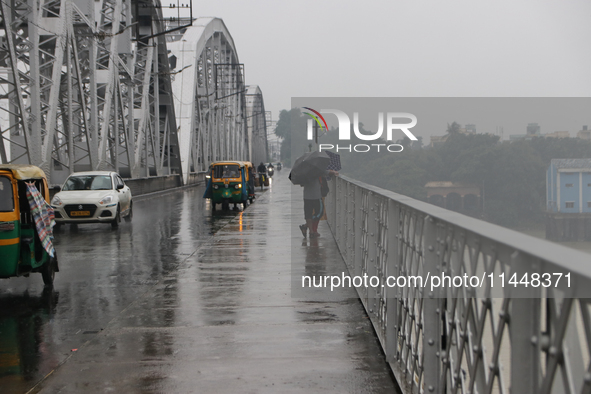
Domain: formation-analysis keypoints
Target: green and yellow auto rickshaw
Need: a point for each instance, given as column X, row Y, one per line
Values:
column 228, row 183
column 25, row 231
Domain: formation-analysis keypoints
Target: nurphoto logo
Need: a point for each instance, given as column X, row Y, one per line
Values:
column 392, row 124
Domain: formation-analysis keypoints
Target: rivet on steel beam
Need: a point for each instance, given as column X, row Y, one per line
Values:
column 431, row 342
column 431, row 248
column 431, row 388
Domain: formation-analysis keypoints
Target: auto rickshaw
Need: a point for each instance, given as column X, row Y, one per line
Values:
column 21, row 248
column 228, row 183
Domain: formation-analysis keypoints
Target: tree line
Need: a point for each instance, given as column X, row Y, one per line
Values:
column 511, row 174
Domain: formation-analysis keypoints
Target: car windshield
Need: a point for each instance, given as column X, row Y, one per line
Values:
column 6, row 198
column 226, row 171
column 88, row 182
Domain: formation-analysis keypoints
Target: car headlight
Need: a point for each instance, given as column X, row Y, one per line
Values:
column 56, row 201
column 106, row 200
column 238, row 186
column 216, row 187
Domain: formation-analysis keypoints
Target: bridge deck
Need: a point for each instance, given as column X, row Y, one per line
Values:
column 234, row 325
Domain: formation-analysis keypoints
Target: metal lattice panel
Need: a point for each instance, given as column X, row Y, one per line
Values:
column 459, row 339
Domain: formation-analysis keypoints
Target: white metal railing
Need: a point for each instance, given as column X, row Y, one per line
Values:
column 515, row 339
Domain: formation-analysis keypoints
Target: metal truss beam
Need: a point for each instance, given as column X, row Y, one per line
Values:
column 210, row 96
column 84, row 85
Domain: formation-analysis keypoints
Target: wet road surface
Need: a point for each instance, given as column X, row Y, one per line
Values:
column 179, row 301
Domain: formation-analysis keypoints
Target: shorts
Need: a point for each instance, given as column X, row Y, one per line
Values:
column 313, row 209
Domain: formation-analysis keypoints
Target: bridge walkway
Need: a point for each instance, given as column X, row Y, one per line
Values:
column 226, row 321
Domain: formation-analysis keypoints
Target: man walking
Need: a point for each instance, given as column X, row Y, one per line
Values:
column 313, row 204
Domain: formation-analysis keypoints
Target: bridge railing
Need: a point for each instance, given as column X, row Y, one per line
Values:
column 484, row 339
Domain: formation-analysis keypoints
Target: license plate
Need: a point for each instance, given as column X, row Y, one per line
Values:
column 80, row 213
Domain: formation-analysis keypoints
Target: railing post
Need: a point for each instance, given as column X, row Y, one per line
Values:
column 524, row 330
column 358, row 255
column 372, row 245
column 392, row 269
column 432, row 352
column 350, row 227
column 344, row 216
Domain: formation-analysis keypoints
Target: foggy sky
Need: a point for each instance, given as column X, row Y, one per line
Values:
column 406, row 48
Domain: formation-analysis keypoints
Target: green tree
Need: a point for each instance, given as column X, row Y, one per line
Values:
column 289, row 122
column 453, row 128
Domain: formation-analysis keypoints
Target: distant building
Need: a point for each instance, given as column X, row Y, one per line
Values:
column 568, row 186
column 437, row 140
column 584, row 134
column 558, row 134
column 532, row 130
column 462, row 197
column 470, row 129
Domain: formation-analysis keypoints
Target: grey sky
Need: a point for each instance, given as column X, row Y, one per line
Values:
column 409, row 48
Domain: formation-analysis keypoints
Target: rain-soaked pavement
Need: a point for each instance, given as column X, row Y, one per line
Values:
column 179, row 301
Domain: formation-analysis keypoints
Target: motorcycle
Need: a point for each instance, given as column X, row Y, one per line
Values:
column 271, row 171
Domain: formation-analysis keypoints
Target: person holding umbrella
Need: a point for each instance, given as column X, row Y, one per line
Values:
column 310, row 171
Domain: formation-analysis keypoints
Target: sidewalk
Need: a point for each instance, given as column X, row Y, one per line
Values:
column 226, row 322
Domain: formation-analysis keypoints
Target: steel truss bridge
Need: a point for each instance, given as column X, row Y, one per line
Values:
column 114, row 85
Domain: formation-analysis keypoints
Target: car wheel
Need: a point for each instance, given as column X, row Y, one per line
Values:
column 48, row 271
column 117, row 220
column 130, row 213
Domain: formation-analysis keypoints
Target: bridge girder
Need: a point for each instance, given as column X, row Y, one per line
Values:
column 257, row 124
column 86, row 85
column 210, row 95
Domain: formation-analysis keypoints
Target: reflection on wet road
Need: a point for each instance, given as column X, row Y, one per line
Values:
column 102, row 270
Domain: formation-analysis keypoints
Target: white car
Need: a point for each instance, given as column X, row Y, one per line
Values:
column 93, row 197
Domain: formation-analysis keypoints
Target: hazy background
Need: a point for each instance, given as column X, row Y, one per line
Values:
column 408, row 48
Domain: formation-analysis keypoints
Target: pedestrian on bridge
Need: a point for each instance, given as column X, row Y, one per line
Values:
column 315, row 189
column 311, row 171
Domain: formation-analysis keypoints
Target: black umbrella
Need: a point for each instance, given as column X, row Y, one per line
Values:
column 307, row 166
